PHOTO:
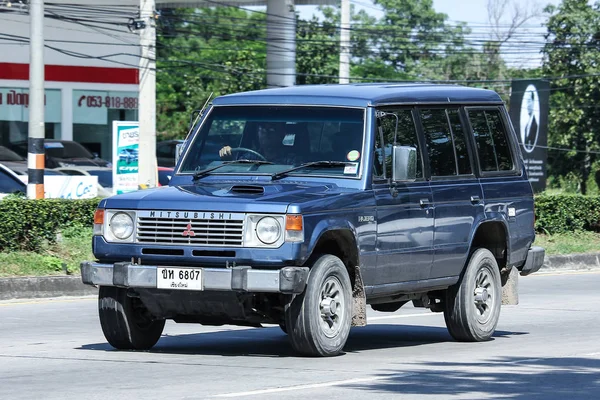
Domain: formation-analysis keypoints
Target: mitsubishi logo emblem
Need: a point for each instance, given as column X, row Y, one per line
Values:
column 188, row 231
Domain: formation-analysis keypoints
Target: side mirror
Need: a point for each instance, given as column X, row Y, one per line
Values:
column 178, row 150
column 404, row 163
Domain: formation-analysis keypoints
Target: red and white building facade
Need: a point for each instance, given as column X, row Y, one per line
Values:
column 91, row 79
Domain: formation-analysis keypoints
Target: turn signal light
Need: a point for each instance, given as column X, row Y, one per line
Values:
column 293, row 222
column 99, row 216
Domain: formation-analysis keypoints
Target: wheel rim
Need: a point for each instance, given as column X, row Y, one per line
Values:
column 331, row 307
column 484, row 295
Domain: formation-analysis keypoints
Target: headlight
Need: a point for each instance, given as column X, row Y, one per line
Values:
column 268, row 230
column 121, row 225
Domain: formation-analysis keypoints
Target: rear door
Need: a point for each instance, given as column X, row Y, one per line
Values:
column 404, row 212
column 506, row 190
column 457, row 195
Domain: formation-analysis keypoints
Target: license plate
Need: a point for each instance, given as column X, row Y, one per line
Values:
column 179, row 278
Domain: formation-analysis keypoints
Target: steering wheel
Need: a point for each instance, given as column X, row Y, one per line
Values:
column 256, row 153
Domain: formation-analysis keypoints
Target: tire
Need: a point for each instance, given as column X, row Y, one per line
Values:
column 472, row 306
column 318, row 320
column 125, row 322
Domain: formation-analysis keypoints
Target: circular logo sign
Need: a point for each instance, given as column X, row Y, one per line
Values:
column 530, row 118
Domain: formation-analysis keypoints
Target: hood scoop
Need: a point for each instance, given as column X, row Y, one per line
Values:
column 247, row 189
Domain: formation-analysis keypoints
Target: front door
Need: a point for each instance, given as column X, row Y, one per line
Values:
column 404, row 210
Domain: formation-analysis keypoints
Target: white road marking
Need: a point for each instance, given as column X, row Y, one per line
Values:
column 311, row 386
column 46, row 301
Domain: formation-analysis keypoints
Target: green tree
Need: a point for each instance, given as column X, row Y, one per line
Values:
column 217, row 50
column 572, row 55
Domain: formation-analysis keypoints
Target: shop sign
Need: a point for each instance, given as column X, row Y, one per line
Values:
column 91, row 106
column 14, row 105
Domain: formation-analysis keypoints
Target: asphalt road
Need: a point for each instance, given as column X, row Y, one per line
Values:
column 547, row 347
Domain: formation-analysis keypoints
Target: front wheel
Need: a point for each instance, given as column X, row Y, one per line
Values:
column 318, row 320
column 472, row 306
column 125, row 321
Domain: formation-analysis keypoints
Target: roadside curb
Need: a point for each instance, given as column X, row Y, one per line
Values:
column 44, row 287
column 57, row 286
column 571, row 262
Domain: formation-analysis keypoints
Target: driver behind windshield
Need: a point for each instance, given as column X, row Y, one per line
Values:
column 270, row 145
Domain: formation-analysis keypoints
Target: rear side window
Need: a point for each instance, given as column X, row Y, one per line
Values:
column 491, row 140
column 446, row 144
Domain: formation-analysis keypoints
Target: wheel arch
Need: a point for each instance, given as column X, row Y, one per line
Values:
column 341, row 242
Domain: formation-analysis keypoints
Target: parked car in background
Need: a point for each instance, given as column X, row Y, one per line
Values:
column 164, row 176
column 63, row 153
column 11, row 159
column 165, row 152
column 105, row 181
column 21, row 170
column 10, row 183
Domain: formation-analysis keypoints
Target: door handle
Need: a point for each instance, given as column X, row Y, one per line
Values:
column 424, row 203
column 475, row 199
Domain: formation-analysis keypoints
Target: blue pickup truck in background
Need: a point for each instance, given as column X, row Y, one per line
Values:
column 300, row 206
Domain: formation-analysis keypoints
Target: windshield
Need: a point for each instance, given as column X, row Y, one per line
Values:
column 9, row 155
column 66, row 149
column 284, row 136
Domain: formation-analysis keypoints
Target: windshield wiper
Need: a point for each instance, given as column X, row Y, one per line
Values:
column 205, row 172
column 325, row 164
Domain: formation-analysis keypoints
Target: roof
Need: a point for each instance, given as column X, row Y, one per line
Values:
column 362, row 95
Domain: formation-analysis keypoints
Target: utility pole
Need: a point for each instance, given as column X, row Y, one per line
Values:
column 147, row 104
column 35, row 151
column 345, row 43
column 281, row 43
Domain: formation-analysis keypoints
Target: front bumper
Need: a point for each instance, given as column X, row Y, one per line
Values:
column 289, row 280
column 534, row 261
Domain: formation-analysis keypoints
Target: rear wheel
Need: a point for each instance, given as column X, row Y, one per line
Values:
column 318, row 320
column 472, row 307
column 125, row 321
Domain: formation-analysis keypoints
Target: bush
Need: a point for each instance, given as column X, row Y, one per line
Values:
column 29, row 224
column 560, row 213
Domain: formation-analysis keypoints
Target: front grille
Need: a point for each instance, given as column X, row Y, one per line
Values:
column 190, row 228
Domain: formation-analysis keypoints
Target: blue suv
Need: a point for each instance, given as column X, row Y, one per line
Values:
column 300, row 206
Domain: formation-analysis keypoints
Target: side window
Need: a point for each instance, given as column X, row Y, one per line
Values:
column 405, row 136
column 440, row 147
column 460, row 143
column 492, row 140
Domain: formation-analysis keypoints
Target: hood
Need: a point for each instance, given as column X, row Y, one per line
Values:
column 83, row 161
column 234, row 196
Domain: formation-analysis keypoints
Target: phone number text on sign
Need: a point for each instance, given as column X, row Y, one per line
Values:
column 108, row 102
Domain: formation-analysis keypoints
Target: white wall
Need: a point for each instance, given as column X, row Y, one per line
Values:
column 117, row 40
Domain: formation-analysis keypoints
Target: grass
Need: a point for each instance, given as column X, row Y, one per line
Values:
column 569, row 243
column 75, row 247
